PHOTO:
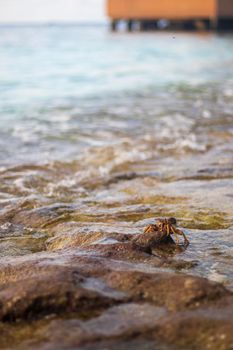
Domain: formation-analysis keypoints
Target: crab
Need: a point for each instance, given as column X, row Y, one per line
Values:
column 168, row 227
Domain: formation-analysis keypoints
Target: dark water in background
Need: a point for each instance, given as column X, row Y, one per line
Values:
column 118, row 129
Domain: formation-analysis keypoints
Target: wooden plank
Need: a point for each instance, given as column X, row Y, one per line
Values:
column 153, row 9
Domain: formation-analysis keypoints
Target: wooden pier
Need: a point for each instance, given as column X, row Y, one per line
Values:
column 175, row 14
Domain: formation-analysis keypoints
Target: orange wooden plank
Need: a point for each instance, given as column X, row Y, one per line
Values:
column 170, row 9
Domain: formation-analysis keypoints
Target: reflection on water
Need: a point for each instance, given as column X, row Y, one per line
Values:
column 99, row 129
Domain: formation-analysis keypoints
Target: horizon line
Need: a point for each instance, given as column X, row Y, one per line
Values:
column 54, row 22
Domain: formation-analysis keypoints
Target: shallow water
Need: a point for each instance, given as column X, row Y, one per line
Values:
column 110, row 131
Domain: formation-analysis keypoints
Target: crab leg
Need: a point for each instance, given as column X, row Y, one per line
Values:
column 177, row 239
column 146, row 230
column 175, row 234
column 181, row 233
column 168, row 229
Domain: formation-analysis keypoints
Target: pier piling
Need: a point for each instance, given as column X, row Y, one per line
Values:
column 188, row 15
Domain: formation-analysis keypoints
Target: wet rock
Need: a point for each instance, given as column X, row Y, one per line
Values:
column 25, row 214
column 179, row 265
column 117, row 323
column 131, row 325
column 128, row 251
column 136, row 343
column 32, row 266
column 74, row 239
column 41, row 217
column 18, row 240
column 175, row 291
column 57, row 291
column 71, row 235
column 124, row 320
column 208, row 328
column 118, row 177
column 105, row 295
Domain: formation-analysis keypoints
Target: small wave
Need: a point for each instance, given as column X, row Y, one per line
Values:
column 191, row 143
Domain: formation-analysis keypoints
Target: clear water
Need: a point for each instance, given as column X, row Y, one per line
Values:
column 118, row 128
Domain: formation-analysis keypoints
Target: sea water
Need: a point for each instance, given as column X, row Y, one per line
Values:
column 119, row 128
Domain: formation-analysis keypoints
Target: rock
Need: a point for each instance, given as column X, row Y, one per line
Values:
column 132, row 325
column 98, row 292
column 175, row 291
column 116, row 324
column 208, row 328
column 25, row 214
column 55, row 292
column 127, row 251
column 72, row 240
column 72, row 236
column 55, row 286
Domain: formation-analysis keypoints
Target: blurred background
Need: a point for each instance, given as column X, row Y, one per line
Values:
column 119, row 126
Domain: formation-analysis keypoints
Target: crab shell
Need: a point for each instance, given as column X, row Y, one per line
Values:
column 152, row 237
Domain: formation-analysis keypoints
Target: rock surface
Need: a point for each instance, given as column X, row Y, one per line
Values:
column 74, row 301
column 104, row 291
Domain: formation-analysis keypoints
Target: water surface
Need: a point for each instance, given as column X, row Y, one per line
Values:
column 99, row 128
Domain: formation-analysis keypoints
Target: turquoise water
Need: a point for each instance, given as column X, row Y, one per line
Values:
column 58, row 83
column 112, row 130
